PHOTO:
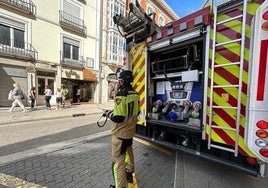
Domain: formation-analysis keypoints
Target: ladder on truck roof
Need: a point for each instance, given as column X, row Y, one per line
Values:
column 214, row 66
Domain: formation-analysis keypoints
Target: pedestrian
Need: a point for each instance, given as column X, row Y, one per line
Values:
column 17, row 96
column 48, row 93
column 32, row 97
column 78, row 93
column 124, row 119
column 58, row 99
column 64, row 91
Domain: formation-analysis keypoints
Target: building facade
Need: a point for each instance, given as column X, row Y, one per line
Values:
column 52, row 42
column 59, row 43
column 114, row 53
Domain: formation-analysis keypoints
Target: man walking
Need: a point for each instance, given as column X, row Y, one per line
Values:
column 124, row 118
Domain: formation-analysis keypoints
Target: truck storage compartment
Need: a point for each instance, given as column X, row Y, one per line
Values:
column 175, row 60
column 174, row 103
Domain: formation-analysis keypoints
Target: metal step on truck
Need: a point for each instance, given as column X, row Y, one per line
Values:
column 203, row 81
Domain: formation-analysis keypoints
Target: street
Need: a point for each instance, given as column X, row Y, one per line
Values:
column 39, row 133
column 73, row 152
column 77, row 154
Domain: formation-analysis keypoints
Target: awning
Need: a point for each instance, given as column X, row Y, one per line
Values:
column 89, row 76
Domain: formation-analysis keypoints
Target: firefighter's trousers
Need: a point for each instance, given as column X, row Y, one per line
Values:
column 123, row 160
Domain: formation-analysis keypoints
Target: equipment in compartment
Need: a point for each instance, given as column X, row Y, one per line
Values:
column 175, row 60
column 181, row 102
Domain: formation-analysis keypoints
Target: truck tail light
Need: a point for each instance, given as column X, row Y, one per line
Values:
column 264, row 152
column 265, row 15
column 261, row 143
column 261, row 133
column 251, row 161
column 262, row 124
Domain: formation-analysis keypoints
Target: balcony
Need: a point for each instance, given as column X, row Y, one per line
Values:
column 77, row 62
column 26, row 6
column 72, row 23
column 18, row 50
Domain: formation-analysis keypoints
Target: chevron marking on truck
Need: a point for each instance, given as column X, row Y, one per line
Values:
column 229, row 75
column 137, row 58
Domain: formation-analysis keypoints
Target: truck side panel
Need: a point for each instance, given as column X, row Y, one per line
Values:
column 225, row 76
column 137, row 57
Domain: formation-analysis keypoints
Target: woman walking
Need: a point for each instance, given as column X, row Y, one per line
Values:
column 17, row 96
column 32, row 97
column 58, row 99
column 48, row 93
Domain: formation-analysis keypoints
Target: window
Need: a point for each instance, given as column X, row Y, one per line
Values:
column 150, row 12
column 116, row 47
column 115, row 7
column 72, row 9
column 11, row 36
column 71, row 48
column 116, row 42
column 161, row 21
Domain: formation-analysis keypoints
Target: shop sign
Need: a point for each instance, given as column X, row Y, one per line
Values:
column 48, row 74
column 73, row 74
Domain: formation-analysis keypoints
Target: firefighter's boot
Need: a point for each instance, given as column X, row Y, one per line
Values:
column 129, row 177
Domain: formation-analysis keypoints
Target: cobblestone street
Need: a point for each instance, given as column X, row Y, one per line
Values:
column 89, row 165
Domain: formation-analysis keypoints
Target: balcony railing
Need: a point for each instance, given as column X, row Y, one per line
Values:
column 26, row 6
column 78, row 62
column 73, row 23
column 17, row 49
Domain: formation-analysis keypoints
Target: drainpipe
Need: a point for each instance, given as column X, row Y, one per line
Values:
column 99, row 47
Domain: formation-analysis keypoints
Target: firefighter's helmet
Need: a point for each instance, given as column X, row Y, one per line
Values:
column 124, row 75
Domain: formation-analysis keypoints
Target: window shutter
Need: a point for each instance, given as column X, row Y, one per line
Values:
column 71, row 9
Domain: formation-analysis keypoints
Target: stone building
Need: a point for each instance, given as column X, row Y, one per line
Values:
column 59, row 43
column 51, row 42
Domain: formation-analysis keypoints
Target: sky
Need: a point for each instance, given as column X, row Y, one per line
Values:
column 185, row 7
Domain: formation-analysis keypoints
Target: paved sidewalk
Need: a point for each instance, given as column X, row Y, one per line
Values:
column 41, row 113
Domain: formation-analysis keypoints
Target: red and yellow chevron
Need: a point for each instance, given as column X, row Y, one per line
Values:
column 137, row 60
column 229, row 75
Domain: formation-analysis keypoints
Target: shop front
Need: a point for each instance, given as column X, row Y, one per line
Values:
column 10, row 74
column 80, row 85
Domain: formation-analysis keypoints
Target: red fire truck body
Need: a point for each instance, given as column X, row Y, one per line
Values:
column 203, row 84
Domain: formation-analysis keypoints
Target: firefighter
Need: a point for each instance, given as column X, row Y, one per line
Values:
column 124, row 119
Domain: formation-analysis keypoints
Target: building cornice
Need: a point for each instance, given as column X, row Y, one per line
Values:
column 166, row 8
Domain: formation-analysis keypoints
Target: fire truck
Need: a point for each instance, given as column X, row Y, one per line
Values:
column 203, row 81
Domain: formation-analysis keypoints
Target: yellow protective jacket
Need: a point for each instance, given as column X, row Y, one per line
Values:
column 124, row 115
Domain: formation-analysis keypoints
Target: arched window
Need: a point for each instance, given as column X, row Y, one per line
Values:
column 161, row 21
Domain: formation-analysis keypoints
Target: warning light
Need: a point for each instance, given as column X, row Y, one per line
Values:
column 265, row 15
column 261, row 133
column 265, row 26
column 262, row 124
column 264, row 152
